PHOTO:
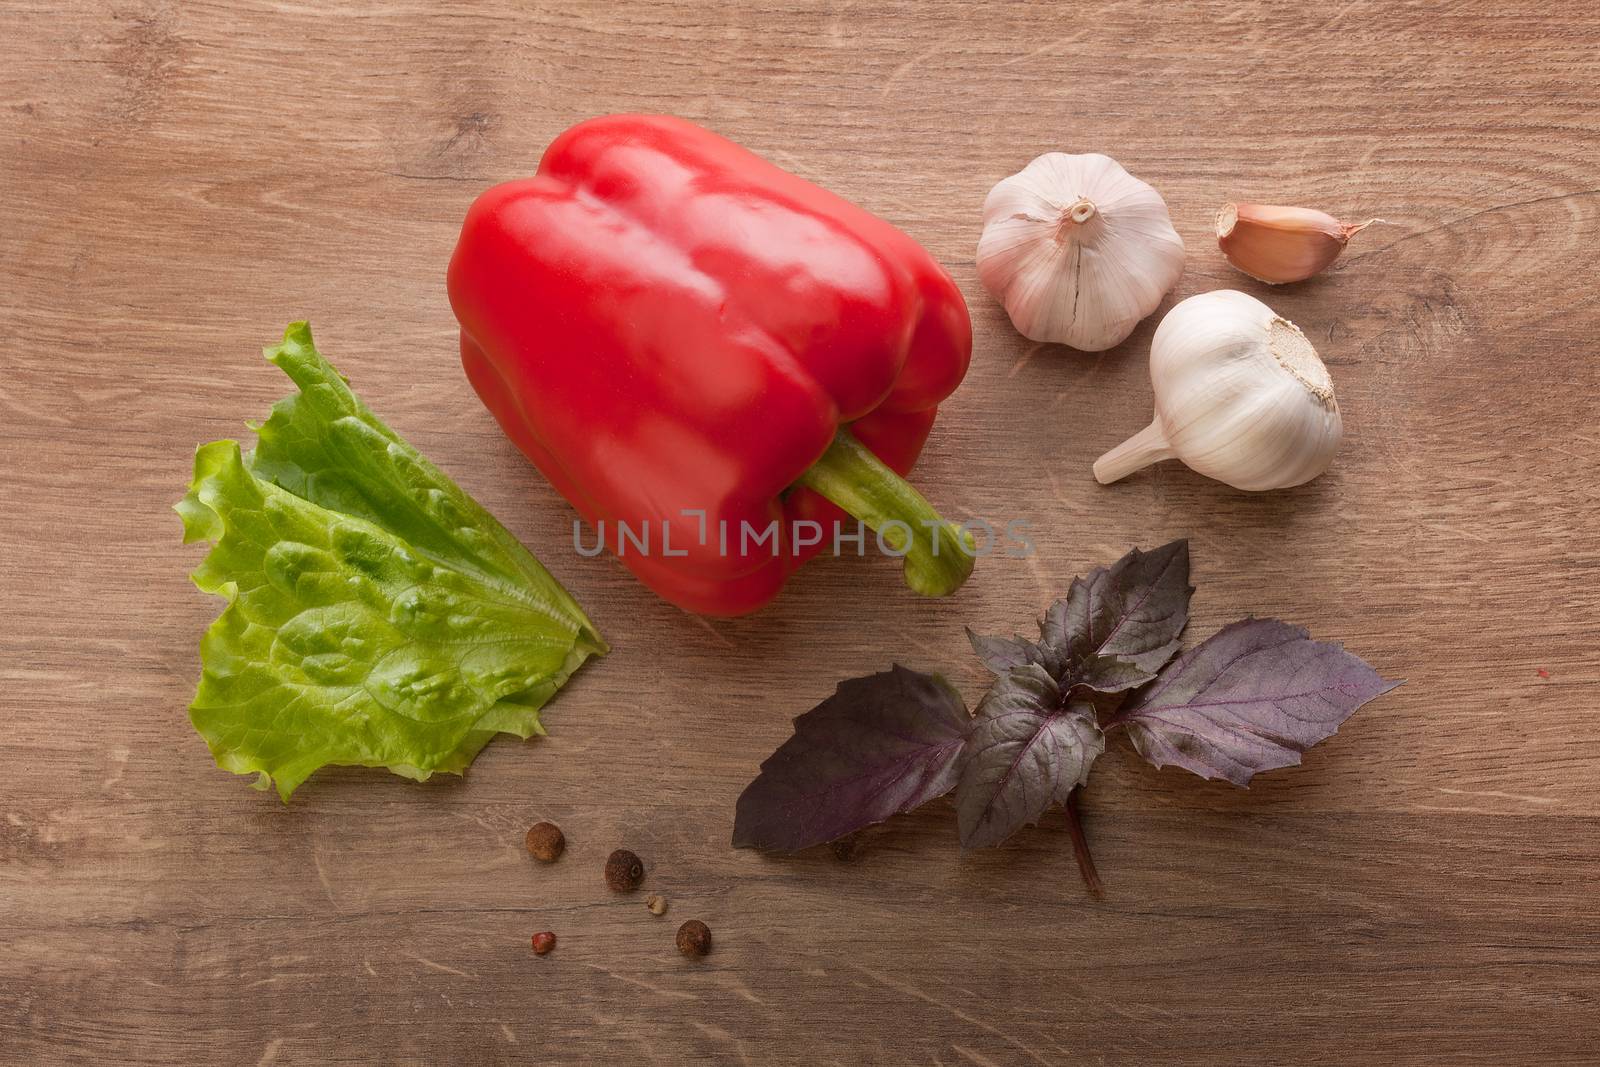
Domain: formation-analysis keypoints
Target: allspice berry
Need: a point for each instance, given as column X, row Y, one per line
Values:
column 545, row 841
column 694, row 938
column 624, row 871
column 543, row 942
column 657, row 904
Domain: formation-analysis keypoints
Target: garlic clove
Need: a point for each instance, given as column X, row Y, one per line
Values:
column 1240, row 396
column 1278, row 245
column 1077, row 250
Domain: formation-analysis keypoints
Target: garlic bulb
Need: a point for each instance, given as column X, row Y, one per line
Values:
column 1241, row 396
column 1282, row 244
column 1078, row 250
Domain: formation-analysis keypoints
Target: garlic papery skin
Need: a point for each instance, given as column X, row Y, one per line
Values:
column 1278, row 245
column 1240, row 396
column 1078, row 250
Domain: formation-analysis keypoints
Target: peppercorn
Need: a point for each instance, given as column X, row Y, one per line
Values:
column 545, row 841
column 543, row 942
column 846, row 848
column 694, row 938
column 624, row 871
column 657, row 904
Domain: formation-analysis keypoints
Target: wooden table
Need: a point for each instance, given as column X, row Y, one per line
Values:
column 178, row 180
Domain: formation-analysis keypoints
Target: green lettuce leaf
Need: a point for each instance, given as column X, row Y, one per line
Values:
column 377, row 615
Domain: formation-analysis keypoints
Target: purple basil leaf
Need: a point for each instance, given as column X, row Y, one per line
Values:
column 1123, row 622
column 1108, row 675
column 999, row 654
column 1028, row 749
column 1252, row 698
column 1113, row 630
column 879, row 746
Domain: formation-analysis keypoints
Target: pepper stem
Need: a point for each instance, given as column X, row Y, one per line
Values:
column 938, row 554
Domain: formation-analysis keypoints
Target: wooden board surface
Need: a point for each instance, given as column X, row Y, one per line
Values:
column 178, row 180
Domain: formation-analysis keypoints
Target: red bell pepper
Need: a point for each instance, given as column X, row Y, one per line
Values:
column 668, row 325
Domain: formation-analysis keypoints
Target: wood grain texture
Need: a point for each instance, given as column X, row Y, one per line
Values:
column 178, row 180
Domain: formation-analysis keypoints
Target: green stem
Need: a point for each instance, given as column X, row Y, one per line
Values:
column 938, row 554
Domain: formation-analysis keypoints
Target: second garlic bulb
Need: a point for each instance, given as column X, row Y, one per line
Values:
column 1078, row 250
column 1241, row 396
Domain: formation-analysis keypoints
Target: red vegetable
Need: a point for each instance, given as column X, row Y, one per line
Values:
column 663, row 321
